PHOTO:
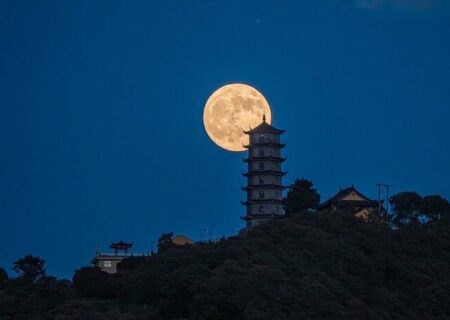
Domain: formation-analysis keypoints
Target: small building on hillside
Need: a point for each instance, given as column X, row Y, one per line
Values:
column 108, row 261
column 352, row 201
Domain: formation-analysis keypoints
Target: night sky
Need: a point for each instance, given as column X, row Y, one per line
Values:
column 101, row 105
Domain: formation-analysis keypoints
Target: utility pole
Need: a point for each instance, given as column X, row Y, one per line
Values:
column 379, row 198
column 387, row 187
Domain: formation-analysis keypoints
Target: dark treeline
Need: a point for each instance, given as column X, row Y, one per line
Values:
column 307, row 266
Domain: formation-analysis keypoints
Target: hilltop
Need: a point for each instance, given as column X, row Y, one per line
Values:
column 306, row 266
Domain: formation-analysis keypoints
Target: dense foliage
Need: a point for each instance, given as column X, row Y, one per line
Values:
column 30, row 268
column 311, row 266
column 301, row 196
column 409, row 206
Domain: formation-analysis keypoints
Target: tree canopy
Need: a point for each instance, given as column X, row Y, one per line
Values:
column 406, row 207
column 30, row 268
column 435, row 207
column 3, row 276
column 165, row 241
column 301, row 196
column 305, row 266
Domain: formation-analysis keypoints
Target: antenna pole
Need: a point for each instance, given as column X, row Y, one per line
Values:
column 379, row 198
column 387, row 187
column 387, row 196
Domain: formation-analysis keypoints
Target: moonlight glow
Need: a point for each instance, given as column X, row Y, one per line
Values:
column 232, row 109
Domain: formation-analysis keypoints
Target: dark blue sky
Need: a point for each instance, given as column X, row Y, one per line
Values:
column 101, row 102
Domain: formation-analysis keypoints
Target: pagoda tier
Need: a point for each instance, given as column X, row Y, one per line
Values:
column 275, row 159
column 262, row 201
column 264, row 172
column 264, row 127
column 265, row 144
column 260, row 216
column 263, row 186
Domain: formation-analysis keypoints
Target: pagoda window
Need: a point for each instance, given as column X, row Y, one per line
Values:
column 277, row 209
column 276, row 196
column 261, row 209
column 262, row 138
column 261, row 166
column 261, row 180
column 261, row 152
column 261, row 194
column 107, row 264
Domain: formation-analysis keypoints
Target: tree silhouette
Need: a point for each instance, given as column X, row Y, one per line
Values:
column 165, row 242
column 30, row 268
column 434, row 207
column 406, row 207
column 301, row 196
column 3, row 276
column 92, row 282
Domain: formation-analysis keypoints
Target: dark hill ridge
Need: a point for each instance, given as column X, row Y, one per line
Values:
column 306, row 266
column 302, row 267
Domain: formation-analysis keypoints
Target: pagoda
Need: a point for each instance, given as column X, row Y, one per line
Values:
column 264, row 176
column 120, row 246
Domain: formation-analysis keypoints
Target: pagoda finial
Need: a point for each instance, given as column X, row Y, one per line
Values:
column 264, row 118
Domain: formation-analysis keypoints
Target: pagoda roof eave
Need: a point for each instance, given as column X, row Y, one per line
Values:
column 121, row 245
column 261, row 201
column 268, row 172
column 264, row 127
column 262, row 216
column 264, row 144
column 277, row 159
column 264, row 186
column 274, row 130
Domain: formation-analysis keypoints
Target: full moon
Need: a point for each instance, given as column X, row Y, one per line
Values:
column 230, row 110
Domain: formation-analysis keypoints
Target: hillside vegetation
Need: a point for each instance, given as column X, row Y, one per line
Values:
column 306, row 266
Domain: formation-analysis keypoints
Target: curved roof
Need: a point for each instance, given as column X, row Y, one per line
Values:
column 121, row 245
column 264, row 127
column 342, row 197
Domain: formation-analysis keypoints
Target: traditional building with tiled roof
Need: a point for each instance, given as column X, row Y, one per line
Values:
column 352, row 201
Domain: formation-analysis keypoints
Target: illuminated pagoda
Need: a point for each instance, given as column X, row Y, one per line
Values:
column 264, row 177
